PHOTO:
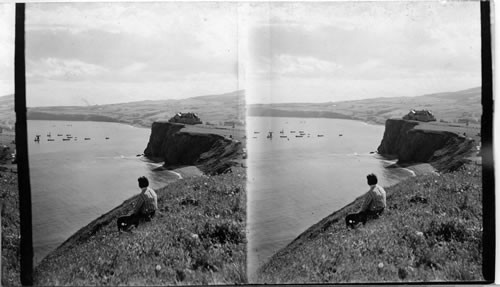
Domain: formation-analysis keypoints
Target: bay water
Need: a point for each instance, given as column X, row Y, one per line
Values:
column 307, row 170
column 77, row 180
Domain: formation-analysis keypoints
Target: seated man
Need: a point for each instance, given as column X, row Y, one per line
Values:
column 145, row 207
column 373, row 204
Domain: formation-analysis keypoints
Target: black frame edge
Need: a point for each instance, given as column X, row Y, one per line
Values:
column 487, row 144
column 26, row 244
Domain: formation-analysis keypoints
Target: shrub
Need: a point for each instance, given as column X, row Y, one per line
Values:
column 225, row 232
column 447, row 230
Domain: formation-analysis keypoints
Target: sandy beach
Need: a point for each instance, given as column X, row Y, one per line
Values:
column 187, row 171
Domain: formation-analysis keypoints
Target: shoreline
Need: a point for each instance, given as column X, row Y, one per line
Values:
column 368, row 122
column 182, row 172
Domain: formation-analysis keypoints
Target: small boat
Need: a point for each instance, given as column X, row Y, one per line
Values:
column 59, row 135
column 256, row 132
column 283, row 136
column 254, row 137
column 107, row 138
column 49, row 135
column 50, row 140
column 86, row 139
column 65, row 139
column 292, row 132
column 68, row 135
column 340, row 135
column 320, row 136
column 301, row 132
column 282, row 131
column 299, row 136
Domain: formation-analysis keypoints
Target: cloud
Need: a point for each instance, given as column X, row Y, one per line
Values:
column 63, row 69
column 316, row 48
column 7, row 28
column 212, row 26
column 387, row 48
column 116, row 45
column 43, row 93
column 305, row 66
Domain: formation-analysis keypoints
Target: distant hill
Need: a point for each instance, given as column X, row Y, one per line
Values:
column 215, row 109
column 451, row 106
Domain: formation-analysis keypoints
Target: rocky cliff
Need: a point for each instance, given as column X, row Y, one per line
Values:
column 443, row 149
column 175, row 145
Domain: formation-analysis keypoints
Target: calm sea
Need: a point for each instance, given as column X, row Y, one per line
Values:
column 293, row 182
column 73, row 182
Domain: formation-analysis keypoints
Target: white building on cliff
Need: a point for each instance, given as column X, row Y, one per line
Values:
column 185, row 118
column 422, row 116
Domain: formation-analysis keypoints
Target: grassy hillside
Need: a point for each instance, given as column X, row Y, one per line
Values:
column 198, row 238
column 432, row 231
column 10, row 213
column 214, row 109
column 449, row 107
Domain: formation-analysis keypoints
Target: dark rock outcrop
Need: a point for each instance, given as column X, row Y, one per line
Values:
column 212, row 153
column 444, row 150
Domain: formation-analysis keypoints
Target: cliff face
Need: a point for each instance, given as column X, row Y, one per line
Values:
column 443, row 149
column 212, row 153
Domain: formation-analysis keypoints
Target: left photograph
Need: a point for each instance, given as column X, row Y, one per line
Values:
column 136, row 143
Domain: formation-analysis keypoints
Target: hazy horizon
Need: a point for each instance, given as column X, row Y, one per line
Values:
column 243, row 91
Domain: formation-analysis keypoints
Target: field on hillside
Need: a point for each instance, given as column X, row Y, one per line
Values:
column 432, row 231
column 448, row 107
column 215, row 110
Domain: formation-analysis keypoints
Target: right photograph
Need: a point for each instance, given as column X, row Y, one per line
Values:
column 364, row 142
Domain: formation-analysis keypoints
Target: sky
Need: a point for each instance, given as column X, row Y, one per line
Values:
column 100, row 53
column 7, row 49
column 321, row 52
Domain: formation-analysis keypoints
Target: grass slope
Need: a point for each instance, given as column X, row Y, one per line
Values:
column 432, row 231
column 198, row 238
column 10, row 214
